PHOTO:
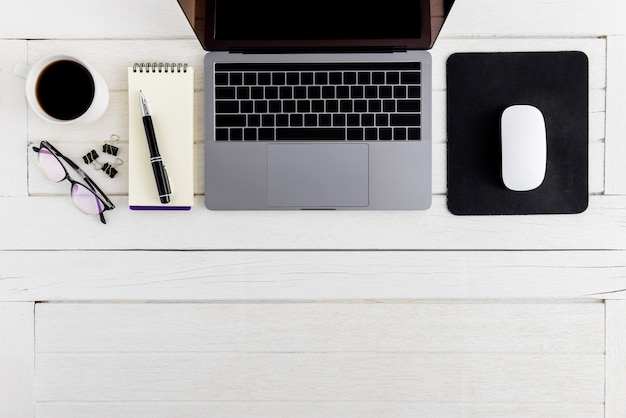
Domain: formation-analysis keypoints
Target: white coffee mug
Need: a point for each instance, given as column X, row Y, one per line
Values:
column 64, row 89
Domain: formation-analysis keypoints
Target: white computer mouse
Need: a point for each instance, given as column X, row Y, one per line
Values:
column 524, row 150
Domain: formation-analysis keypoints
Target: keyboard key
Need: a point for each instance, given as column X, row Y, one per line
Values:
column 310, row 119
column 357, row 92
column 332, row 106
column 317, row 106
column 364, row 78
column 409, row 106
column 385, row 134
column 328, row 92
column 271, row 92
column 393, row 77
column 264, row 79
column 225, row 93
column 227, row 106
column 275, row 106
column 293, row 79
column 360, row 106
column 339, row 119
column 349, row 78
column 221, row 79
column 299, row 92
column 289, row 106
column 310, row 134
column 354, row 134
column 411, row 78
column 249, row 79
column 321, row 78
column 399, row 134
column 382, row 119
column 221, row 134
column 371, row 134
column 247, row 106
column 257, row 93
column 414, row 134
column 374, row 106
column 243, row 93
column 285, row 92
column 343, row 92
column 230, row 120
column 296, row 119
column 378, row 78
column 260, row 106
column 236, row 134
column 371, row 92
column 399, row 92
column 249, row 134
column 367, row 119
column 236, row 79
column 266, row 134
column 282, row 120
column 385, row 92
column 324, row 119
column 353, row 120
column 335, row 78
column 306, row 79
column 389, row 106
column 314, row 92
column 405, row 119
column 254, row 120
column 303, row 106
column 345, row 106
column 414, row 92
column 278, row 79
column 267, row 120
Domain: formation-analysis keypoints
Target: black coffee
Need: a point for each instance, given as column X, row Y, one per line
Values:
column 65, row 90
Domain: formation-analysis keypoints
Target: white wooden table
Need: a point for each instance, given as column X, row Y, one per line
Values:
column 236, row 314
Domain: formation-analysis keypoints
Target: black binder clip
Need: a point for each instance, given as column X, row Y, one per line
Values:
column 91, row 157
column 108, row 146
column 111, row 168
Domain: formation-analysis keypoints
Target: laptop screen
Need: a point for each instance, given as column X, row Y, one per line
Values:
column 254, row 24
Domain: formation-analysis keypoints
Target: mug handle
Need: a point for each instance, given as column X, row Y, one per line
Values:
column 21, row 70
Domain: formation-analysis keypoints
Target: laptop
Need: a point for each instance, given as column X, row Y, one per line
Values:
column 323, row 104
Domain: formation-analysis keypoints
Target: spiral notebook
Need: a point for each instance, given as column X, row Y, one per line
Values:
column 168, row 89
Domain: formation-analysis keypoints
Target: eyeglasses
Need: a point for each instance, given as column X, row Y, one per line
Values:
column 85, row 196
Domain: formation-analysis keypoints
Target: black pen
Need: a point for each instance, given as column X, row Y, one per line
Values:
column 160, row 173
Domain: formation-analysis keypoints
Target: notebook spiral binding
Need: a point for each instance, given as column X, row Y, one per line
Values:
column 160, row 67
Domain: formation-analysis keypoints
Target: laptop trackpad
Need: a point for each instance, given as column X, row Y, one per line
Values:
column 318, row 175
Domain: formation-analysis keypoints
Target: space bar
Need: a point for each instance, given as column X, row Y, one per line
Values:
column 310, row 134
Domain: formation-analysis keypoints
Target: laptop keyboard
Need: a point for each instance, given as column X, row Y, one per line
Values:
column 318, row 102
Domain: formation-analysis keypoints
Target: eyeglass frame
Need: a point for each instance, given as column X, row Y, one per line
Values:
column 90, row 184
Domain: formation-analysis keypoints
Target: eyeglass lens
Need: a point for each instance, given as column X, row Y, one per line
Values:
column 50, row 165
column 86, row 200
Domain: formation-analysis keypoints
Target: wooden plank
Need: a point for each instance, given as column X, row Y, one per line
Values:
column 353, row 376
column 13, row 132
column 365, row 409
column 615, row 121
column 615, row 359
column 321, row 327
column 308, row 275
column 600, row 227
column 17, row 364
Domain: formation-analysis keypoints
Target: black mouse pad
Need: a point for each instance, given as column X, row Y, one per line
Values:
column 479, row 87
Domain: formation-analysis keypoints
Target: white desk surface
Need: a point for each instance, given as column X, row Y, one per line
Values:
column 50, row 252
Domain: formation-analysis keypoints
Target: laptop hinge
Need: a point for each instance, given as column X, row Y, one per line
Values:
column 334, row 50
